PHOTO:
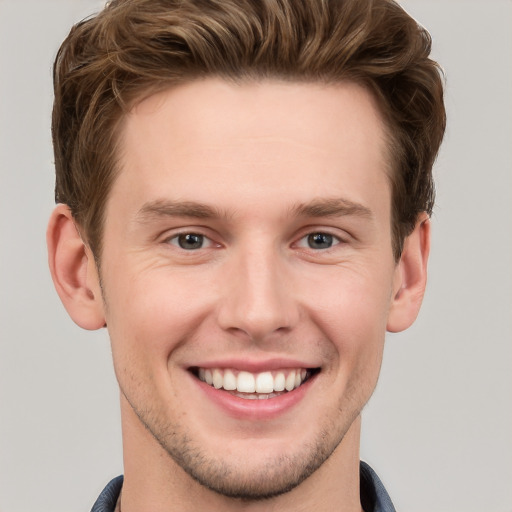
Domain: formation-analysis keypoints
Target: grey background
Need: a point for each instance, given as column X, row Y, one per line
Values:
column 439, row 427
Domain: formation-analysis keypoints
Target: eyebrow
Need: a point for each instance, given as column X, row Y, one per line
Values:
column 166, row 208
column 332, row 207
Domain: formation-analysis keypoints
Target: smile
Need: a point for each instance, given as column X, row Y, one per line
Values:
column 263, row 385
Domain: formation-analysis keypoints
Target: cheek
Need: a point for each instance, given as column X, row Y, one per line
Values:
column 355, row 302
column 358, row 334
column 141, row 315
column 151, row 315
column 353, row 317
column 141, row 321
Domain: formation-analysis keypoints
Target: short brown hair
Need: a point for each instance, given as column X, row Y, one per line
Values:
column 135, row 47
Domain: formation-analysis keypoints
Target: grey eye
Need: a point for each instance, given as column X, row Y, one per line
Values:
column 320, row 240
column 190, row 241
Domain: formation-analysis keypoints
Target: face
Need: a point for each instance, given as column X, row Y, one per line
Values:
column 248, row 274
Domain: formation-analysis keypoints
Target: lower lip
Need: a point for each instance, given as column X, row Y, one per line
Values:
column 255, row 409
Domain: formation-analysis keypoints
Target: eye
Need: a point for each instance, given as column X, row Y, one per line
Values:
column 190, row 241
column 318, row 241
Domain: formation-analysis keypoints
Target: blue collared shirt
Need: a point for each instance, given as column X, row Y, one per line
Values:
column 374, row 497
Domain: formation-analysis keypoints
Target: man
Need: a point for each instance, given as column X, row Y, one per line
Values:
column 244, row 190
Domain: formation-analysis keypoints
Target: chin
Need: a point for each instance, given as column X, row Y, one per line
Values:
column 251, row 480
column 251, row 469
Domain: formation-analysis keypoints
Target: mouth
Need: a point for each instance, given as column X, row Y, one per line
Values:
column 254, row 386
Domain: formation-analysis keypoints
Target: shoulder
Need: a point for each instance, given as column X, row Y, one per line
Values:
column 107, row 500
column 374, row 497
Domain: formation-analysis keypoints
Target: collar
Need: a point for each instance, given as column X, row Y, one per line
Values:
column 374, row 497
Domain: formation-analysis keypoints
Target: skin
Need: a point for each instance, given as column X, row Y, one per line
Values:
column 254, row 168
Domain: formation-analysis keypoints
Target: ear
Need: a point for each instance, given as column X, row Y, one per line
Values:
column 410, row 277
column 74, row 271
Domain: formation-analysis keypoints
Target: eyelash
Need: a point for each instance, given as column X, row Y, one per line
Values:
column 175, row 240
column 304, row 242
column 333, row 240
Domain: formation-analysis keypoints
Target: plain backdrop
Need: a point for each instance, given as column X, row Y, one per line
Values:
column 438, row 429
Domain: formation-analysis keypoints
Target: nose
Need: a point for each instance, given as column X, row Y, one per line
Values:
column 258, row 298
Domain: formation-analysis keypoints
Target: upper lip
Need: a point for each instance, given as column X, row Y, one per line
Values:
column 255, row 366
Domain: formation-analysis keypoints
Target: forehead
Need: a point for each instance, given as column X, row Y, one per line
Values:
column 307, row 138
column 256, row 105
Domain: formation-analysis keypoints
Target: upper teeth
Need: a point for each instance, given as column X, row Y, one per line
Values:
column 246, row 382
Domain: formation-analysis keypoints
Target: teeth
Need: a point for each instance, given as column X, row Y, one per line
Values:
column 279, row 381
column 245, row 382
column 218, row 379
column 264, row 383
column 229, row 380
column 254, row 386
column 290, row 381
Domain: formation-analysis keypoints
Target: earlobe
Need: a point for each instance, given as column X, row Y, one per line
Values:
column 410, row 277
column 74, row 271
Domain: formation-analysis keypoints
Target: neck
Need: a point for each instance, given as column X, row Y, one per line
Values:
column 154, row 482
